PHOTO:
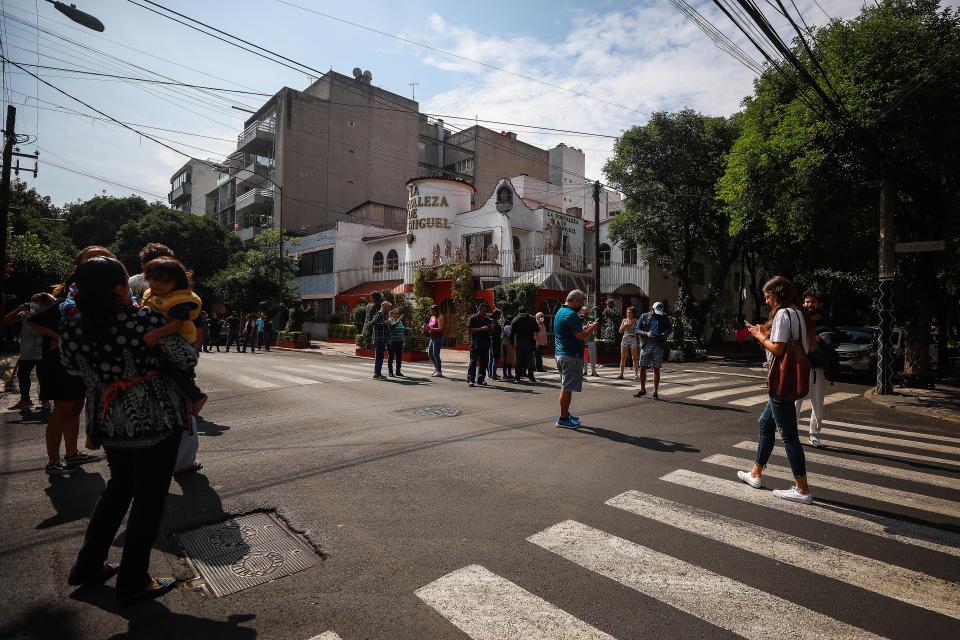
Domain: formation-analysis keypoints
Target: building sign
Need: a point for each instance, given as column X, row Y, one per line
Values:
column 562, row 233
column 915, row 247
column 418, row 201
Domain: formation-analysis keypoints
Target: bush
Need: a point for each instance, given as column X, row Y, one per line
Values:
column 333, row 318
column 510, row 297
column 341, row 331
column 293, row 336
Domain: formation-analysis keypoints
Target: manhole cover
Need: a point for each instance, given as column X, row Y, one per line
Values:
column 245, row 551
column 437, row 412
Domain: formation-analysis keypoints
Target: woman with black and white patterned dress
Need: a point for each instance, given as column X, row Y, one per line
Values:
column 135, row 412
column 629, row 344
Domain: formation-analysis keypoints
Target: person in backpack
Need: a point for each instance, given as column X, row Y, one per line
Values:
column 813, row 306
column 787, row 327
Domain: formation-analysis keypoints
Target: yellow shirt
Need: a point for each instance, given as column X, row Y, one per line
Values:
column 166, row 303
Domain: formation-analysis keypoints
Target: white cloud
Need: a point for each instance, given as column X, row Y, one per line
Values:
column 647, row 58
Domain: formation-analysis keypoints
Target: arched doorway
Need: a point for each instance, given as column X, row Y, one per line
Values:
column 631, row 295
column 549, row 308
column 449, row 314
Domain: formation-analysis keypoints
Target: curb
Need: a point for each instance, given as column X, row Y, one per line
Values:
column 870, row 395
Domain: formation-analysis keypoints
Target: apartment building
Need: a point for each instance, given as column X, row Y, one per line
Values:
column 189, row 186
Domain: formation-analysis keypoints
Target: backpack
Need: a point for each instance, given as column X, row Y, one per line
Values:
column 788, row 377
column 825, row 356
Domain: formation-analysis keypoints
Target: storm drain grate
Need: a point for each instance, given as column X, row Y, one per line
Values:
column 437, row 412
column 245, row 551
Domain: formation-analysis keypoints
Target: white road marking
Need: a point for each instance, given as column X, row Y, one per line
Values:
column 273, row 374
column 325, row 374
column 866, row 467
column 326, row 635
column 726, row 373
column 751, row 401
column 900, row 442
column 713, row 395
column 256, row 383
column 845, row 447
column 721, row 601
column 912, row 434
column 830, row 399
column 862, row 489
column 890, row 528
column 888, row 580
column 701, row 387
column 487, row 607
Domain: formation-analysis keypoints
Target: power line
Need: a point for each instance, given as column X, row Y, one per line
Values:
column 451, row 54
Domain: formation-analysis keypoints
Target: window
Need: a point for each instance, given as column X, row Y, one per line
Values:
column 477, row 242
column 316, row 263
column 565, row 245
column 604, row 255
column 630, row 254
column 696, row 272
column 393, row 260
column 180, row 180
column 504, row 195
column 343, row 310
column 549, row 309
column 377, row 262
column 324, row 308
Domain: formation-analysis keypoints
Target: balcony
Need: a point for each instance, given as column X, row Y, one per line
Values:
column 223, row 204
column 255, row 200
column 255, row 169
column 258, row 137
column 180, row 193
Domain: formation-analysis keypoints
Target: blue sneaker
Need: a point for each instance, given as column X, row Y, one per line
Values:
column 567, row 423
column 573, row 417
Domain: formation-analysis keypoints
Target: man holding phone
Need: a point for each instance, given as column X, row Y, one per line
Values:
column 569, row 335
column 653, row 328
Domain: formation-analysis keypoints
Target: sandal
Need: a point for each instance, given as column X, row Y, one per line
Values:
column 195, row 467
column 163, row 586
column 107, row 571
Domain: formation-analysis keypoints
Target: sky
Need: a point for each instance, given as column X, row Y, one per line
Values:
column 624, row 59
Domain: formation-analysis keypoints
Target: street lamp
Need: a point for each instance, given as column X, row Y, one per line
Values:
column 71, row 11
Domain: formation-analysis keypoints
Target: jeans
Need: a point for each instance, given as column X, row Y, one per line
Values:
column 479, row 355
column 233, row 338
column 395, row 350
column 525, row 358
column 379, row 347
column 259, row 340
column 539, row 355
column 591, row 357
column 434, row 352
column 495, row 349
column 143, row 477
column 781, row 415
column 24, row 367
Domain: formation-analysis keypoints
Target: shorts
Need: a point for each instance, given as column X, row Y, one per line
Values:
column 571, row 373
column 60, row 385
column 630, row 342
column 652, row 357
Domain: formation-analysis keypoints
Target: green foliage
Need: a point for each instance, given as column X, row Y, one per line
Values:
column 36, row 267
column 610, row 330
column 98, row 220
column 333, row 318
column 297, row 315
column 510, row 297
column 202, row 244
column 462, row 277
column 366, row 337
column 668, row 170
column 421, row 314
column 258, row 277
column 293, row 336
column 421, row 285
column 359, row 315
column 341, row 330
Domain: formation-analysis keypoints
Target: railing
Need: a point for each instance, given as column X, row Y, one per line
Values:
column 350, row 278
column 268, row 127
column 222, row 205
column 250, row 197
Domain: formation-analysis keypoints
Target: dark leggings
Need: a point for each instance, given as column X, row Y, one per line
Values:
column 24, row 367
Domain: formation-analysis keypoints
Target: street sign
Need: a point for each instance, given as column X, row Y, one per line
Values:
column 915, row 247
column 219, row 309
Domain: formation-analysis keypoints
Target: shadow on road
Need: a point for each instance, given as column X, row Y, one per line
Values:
column 211, row 429
column 653, row 444
column 893, row 457
column 151, row 619
column 701, row 405
column 868, row 513
column 40, row 622
column 72, row 497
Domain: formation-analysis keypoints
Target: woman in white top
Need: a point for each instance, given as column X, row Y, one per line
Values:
column 787, row 322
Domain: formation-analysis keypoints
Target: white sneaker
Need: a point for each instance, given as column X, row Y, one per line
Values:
column 749, row 479
column 793, row 495
column 815, row 442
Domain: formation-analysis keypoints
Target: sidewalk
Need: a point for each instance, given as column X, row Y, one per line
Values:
column 942, row 402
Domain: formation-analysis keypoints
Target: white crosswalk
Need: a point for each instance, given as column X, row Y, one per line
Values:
column 485, row 605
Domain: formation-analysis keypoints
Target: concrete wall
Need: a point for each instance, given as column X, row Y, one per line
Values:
column 498, row 156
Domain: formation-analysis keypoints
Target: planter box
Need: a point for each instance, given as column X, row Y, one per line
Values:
column 317, row 330
column 408, row 356
column 343, row 340
column 292, row 345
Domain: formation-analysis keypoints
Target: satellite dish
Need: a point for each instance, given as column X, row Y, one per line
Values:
column 357, row 72
column 367, row 76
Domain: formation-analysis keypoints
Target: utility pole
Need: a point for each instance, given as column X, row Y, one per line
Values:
column 596, row 245
column 8, row 141
column 888, row 267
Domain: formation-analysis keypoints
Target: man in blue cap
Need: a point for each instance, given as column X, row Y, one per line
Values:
column 653, row 328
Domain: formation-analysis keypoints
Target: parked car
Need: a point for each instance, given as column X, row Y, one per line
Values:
column 857, row 348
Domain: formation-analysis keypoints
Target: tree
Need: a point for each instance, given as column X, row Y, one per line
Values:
column 668, row 170
column 803, row 188
column 97, row 221
column 201, row 243
column 260, row 277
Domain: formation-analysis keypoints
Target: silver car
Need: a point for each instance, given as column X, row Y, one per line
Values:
column 857, row 348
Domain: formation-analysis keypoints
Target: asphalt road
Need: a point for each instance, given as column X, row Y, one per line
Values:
column 496, row 524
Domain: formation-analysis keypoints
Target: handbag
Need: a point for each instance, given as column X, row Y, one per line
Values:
column 788, row 377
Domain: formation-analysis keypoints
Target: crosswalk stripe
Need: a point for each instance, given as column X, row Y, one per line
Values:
column 845, row 447
column 900, row 432
column 751, row 401
column 326, row 373
column 899, row 530
column 699, row 387
column 487, row 607
column 256, row 383
column 885, row 579
column 866, row 467
column 900, row 442
column 830, row 399
column 273, row 374
column 721, row 601
column 713, row 395
column 726, row 373
column 862, row 489
column 327, row 635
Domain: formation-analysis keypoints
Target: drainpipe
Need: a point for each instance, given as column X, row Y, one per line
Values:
column 440, row 146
